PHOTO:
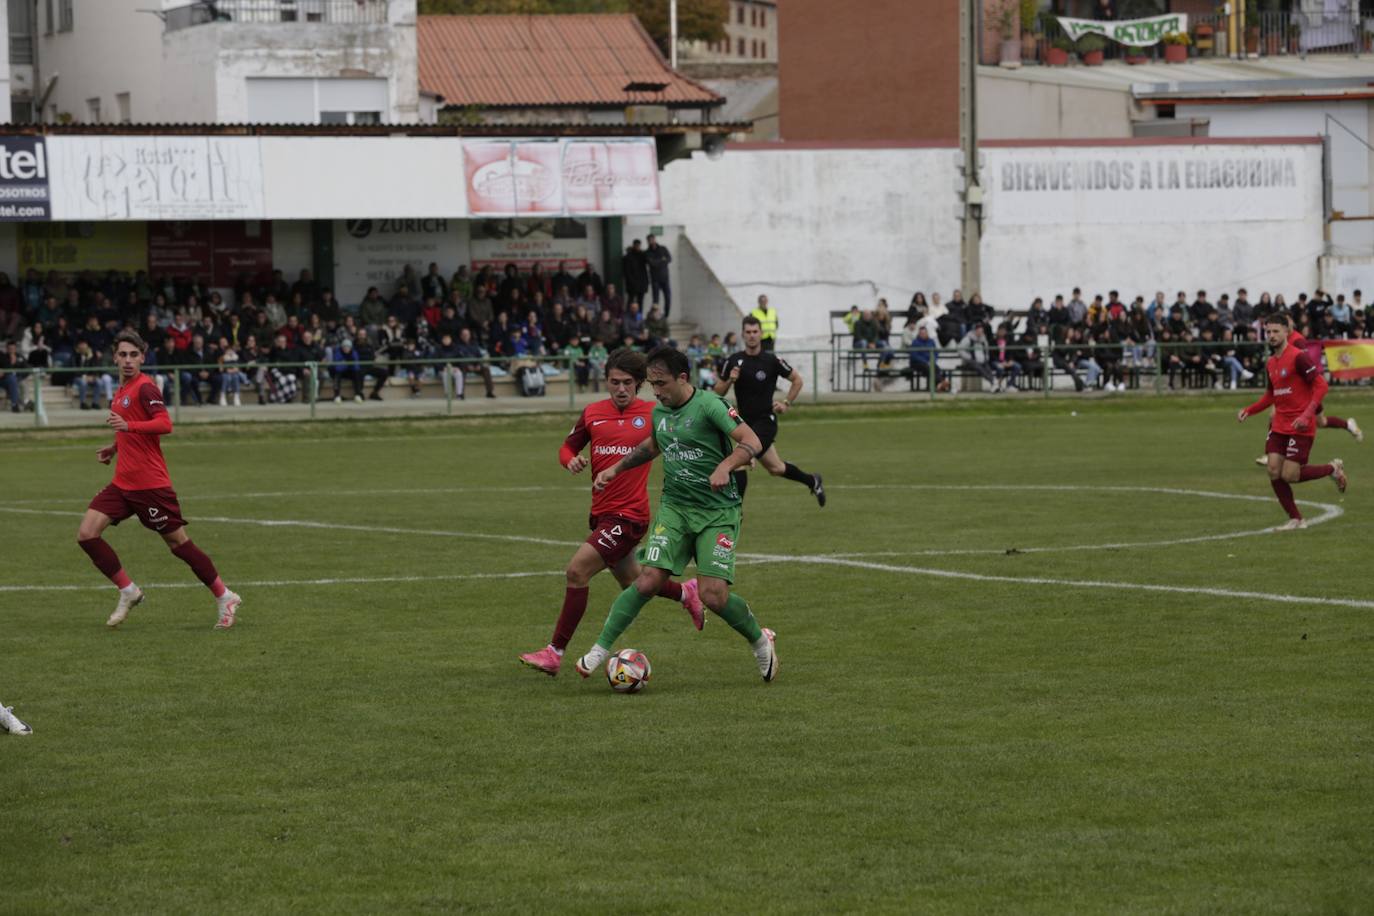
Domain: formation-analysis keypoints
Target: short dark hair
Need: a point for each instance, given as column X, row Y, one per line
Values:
column 131, row 337
column 753, row 319
column 629, row 361
column 673, row 361
column 1279, row 318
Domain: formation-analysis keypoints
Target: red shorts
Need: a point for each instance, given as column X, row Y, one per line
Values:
column 158, row 509
column 1292, row 448
column 615, row 537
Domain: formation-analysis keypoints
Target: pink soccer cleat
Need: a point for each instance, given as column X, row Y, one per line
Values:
column 545, row 660
column 691, row 600
column 228, row 609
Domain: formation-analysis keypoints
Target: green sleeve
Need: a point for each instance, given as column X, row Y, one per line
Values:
column 722, row 415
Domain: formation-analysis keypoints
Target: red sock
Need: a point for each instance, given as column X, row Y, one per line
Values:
column 201, row 565
column 574, row 606
column 1337, row 423
column 671, row 590
column 1314, row 472
column 1285, row 494
column 106, row 560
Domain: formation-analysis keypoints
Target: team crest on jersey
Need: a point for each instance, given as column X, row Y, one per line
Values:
column 638, row 423
column 1283, row 373
column 760, row 375
column 124, row 402
column 734, row 415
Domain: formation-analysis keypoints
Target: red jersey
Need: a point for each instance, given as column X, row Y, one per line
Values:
column 139, row 464
column 1295, row 387
column 613, row 434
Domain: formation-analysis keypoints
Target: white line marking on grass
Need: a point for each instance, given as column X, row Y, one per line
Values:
column 333, row 526
column 1067, row 583
column 288, row 583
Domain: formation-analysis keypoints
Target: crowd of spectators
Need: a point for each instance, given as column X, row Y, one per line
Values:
column 220, row 346
column 1102, row 343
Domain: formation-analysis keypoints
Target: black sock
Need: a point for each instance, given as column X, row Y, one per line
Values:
column 792, row 472
column 741, row 481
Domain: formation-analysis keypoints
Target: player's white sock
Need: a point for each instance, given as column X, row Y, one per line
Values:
column 594, row 657
column 131, row 589
column 556, row 651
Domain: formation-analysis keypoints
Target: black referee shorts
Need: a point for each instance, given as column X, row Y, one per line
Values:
column 766, row 429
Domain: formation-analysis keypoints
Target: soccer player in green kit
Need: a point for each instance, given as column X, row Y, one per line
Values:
column 702, row 439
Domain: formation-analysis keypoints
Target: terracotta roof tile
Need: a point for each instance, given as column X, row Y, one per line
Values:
column 533, row 61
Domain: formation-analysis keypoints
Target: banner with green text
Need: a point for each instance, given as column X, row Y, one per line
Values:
column 1140, row 33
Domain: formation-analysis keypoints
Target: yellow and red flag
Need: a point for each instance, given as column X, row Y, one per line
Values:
column 1349, row 359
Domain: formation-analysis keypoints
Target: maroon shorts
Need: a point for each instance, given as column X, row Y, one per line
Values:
column 158, row 509
column 1292, row 448
column 615, row 537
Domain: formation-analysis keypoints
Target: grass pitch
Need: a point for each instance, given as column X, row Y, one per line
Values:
column 964, row 721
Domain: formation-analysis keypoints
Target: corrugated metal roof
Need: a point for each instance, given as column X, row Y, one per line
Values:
column 548, row 61
column 543, row 129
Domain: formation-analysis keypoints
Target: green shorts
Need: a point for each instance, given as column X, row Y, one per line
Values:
column 678, row 536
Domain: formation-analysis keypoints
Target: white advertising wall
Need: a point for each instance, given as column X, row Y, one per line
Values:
column 821, row 229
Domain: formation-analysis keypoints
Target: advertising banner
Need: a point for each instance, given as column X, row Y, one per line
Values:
column 561, row 177
column 24, row 189
column 156, row 178
column 374, row 252
column 219, row 252
column 1140, row 33
column 526, row 242
column 71, row 247
column 1148, row 184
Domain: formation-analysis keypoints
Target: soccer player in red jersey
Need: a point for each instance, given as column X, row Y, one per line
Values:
column 1295, row 388
column 1324, row 420
column 142, row 487
column 620, row 512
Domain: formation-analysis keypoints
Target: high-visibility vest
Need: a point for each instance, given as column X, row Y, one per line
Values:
column 768, row 321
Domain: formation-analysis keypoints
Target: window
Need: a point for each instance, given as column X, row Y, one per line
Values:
column 48, row 20
column 739, row 14
column 753, row 16
column 754, row 48
column 93, row 110
column 123, row 103
column 65, row 22
column 350, row 117
column 763, row 49
column 763, row 19
column 740, row 48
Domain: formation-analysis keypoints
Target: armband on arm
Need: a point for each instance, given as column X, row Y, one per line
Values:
column 752, row 454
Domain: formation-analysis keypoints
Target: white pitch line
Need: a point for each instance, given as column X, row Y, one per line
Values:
column 287, row 583
column 1075, row 583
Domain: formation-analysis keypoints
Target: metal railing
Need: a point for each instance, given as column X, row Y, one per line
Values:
column 339, row 12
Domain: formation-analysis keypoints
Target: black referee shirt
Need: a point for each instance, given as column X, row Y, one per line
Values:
column 757, row 382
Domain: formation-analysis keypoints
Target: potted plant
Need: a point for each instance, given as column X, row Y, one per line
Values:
column 1090, row 48
column 1057, row 54
column 1030, row 32
column 1007, row 18
column 1136, row 56
column 1176, row 47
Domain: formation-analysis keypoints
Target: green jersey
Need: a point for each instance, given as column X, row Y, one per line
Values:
column 694, row 439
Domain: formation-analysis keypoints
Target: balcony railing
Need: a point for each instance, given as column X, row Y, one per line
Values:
column 1266, row 35
column 340, row 12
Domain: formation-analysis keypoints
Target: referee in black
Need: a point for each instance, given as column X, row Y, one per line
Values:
column 755, row 372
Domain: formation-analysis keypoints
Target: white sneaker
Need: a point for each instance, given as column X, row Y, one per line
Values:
column 222, row 402
column 237, row 401
column 767, row 655
column 1293, row 524
column 1246, row 375
column 594, row 658
column 12, row 723
column 1354, row 429
column 228, row 606
column 337, row 399
column 357, row 399
column 1262, row 461
column 128, row 600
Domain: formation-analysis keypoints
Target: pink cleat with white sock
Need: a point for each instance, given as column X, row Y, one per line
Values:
column 545, row 660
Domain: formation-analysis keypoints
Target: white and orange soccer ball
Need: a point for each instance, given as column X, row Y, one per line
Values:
column 628, row 671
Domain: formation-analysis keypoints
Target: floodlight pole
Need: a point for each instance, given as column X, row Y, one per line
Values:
column 672, row 33
column 970, row 264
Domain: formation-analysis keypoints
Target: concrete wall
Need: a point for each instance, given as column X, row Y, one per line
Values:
column 821, row 229
column 1352, row 160
column 112, row 48
column 1020, row 109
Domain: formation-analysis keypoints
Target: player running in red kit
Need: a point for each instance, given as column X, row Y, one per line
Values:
column 1295, row 388
column 142, row 487
column 620, row 512
column 1324, row 420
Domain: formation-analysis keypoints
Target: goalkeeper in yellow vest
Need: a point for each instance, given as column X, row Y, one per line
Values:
column 768, row 323
column 702, row 440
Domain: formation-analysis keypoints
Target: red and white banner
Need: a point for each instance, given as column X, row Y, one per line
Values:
column 561, row 177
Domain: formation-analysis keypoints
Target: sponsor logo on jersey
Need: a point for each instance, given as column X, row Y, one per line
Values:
column 152, row 511
column 638, row 423
column 734, row 414
column 599, row 422
column 1282, row 391
column 723, row 540
column 613, row 449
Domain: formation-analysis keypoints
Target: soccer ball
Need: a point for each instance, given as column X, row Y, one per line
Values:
column 628, row 671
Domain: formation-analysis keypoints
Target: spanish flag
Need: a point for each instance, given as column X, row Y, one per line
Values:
column 1349, row 359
